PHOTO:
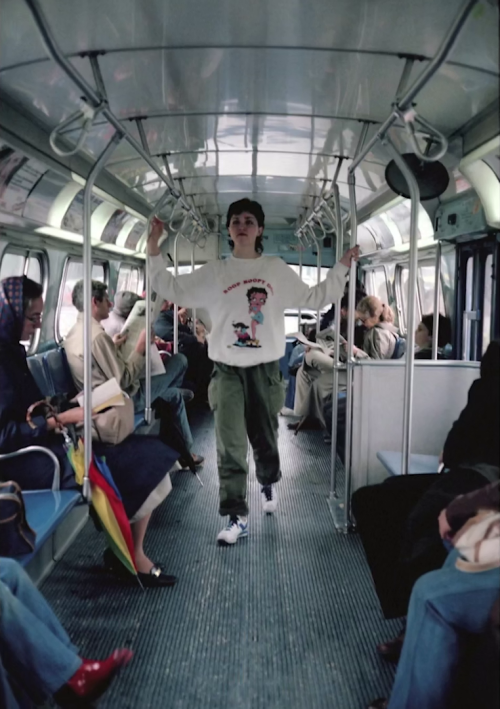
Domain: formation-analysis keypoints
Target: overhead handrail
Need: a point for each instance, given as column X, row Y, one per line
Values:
column 409, row 119
column 93, row 97
column 87, row 311
column 88, row 113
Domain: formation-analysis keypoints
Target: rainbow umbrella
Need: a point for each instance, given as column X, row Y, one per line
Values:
column 106, row 500
column 108, row 504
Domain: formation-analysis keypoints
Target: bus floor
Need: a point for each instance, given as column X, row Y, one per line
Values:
column 285, row 619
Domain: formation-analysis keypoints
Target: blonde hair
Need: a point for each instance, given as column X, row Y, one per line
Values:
column 372, row 307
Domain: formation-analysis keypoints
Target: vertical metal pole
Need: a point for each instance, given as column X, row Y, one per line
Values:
column 437, row 291
column 87, row 307
column 318, row 281
column 350, row 352
column 300, row 276
column 176, row 305
column 412, row 292
column 148, row 411
column 336, row 354
column 193, row 247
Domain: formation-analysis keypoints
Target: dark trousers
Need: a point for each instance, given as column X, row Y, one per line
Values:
column 398, row 524
column 246, row 402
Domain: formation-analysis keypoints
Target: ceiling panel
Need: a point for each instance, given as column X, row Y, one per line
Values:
column 385, row 25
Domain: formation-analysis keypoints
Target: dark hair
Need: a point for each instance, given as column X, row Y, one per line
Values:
column 360, row 294
column 252, row 207
column 490, row 361
column 31, row 291
column 99, row 290
column 444, row 334
column 251, row 291
column 240, row 324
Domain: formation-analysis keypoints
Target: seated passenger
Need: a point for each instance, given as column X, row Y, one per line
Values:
column 314, row 378
column 381, row 336
column 107, row 362
column 37, row 658
column 423, row 336
column 397, row 519
column 175, row 365
column 123, row 303
column 21, row 307
column 447, row 607
column 193, row 346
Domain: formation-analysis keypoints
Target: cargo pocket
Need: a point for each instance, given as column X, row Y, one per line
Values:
column 212, row 391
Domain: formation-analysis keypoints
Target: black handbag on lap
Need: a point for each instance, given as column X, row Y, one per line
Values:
column 16, row 536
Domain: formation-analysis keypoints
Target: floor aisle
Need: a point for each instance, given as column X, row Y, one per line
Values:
column 287, row 619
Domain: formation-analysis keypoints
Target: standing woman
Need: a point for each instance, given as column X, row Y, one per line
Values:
column 246, row 293
column 139, row 464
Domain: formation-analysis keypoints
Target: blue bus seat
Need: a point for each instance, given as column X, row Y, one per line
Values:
column 59, row 372
column 400, row 348
column 139, row 420
column 419, row 463
column 38, row 370
column 57, row 518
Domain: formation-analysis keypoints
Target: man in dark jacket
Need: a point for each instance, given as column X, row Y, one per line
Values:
column 397, row 519
column 448, row 607
column 193, row 346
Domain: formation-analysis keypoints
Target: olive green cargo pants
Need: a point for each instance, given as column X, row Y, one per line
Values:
column 246, row 402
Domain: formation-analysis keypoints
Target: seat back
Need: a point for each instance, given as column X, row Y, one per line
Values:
column 399, row 349
column 59, row 372
column 39, row 372
column 51, row 372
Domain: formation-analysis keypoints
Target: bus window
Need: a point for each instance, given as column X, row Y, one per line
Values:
column 310, row 274
column 12, row 265
column 129, row 278
column 488, row 278
column 66, row 315
column 34, row 270
column 123, row 278
column 426, row 287
column 378, row 284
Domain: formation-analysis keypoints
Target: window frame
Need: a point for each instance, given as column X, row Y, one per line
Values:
column 60, row 297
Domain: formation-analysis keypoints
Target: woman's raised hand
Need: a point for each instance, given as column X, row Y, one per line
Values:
column 155, row 231
column 351, row 254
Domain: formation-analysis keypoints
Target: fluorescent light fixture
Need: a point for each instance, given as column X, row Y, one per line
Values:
column 60, row 234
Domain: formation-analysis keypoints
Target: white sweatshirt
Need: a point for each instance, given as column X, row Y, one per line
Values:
column 246, row 299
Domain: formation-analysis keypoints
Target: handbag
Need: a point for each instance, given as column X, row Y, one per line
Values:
column 114, row 424
column 478, row 541
column 16, row 536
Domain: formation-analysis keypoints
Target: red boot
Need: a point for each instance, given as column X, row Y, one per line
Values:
column 92, row 679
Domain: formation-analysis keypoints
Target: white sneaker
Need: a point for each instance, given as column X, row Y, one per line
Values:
column 269, row 498
column 237, row 527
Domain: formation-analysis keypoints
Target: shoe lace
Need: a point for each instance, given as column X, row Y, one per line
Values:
column 233, row 521
column 268, row 492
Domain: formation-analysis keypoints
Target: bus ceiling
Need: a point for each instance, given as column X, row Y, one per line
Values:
column 269, row 107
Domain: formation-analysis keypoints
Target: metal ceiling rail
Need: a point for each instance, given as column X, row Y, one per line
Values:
column 406, row 102
column 322, row 205
column 98, row 101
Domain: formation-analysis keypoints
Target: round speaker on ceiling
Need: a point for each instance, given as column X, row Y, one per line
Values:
column 432, row 177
